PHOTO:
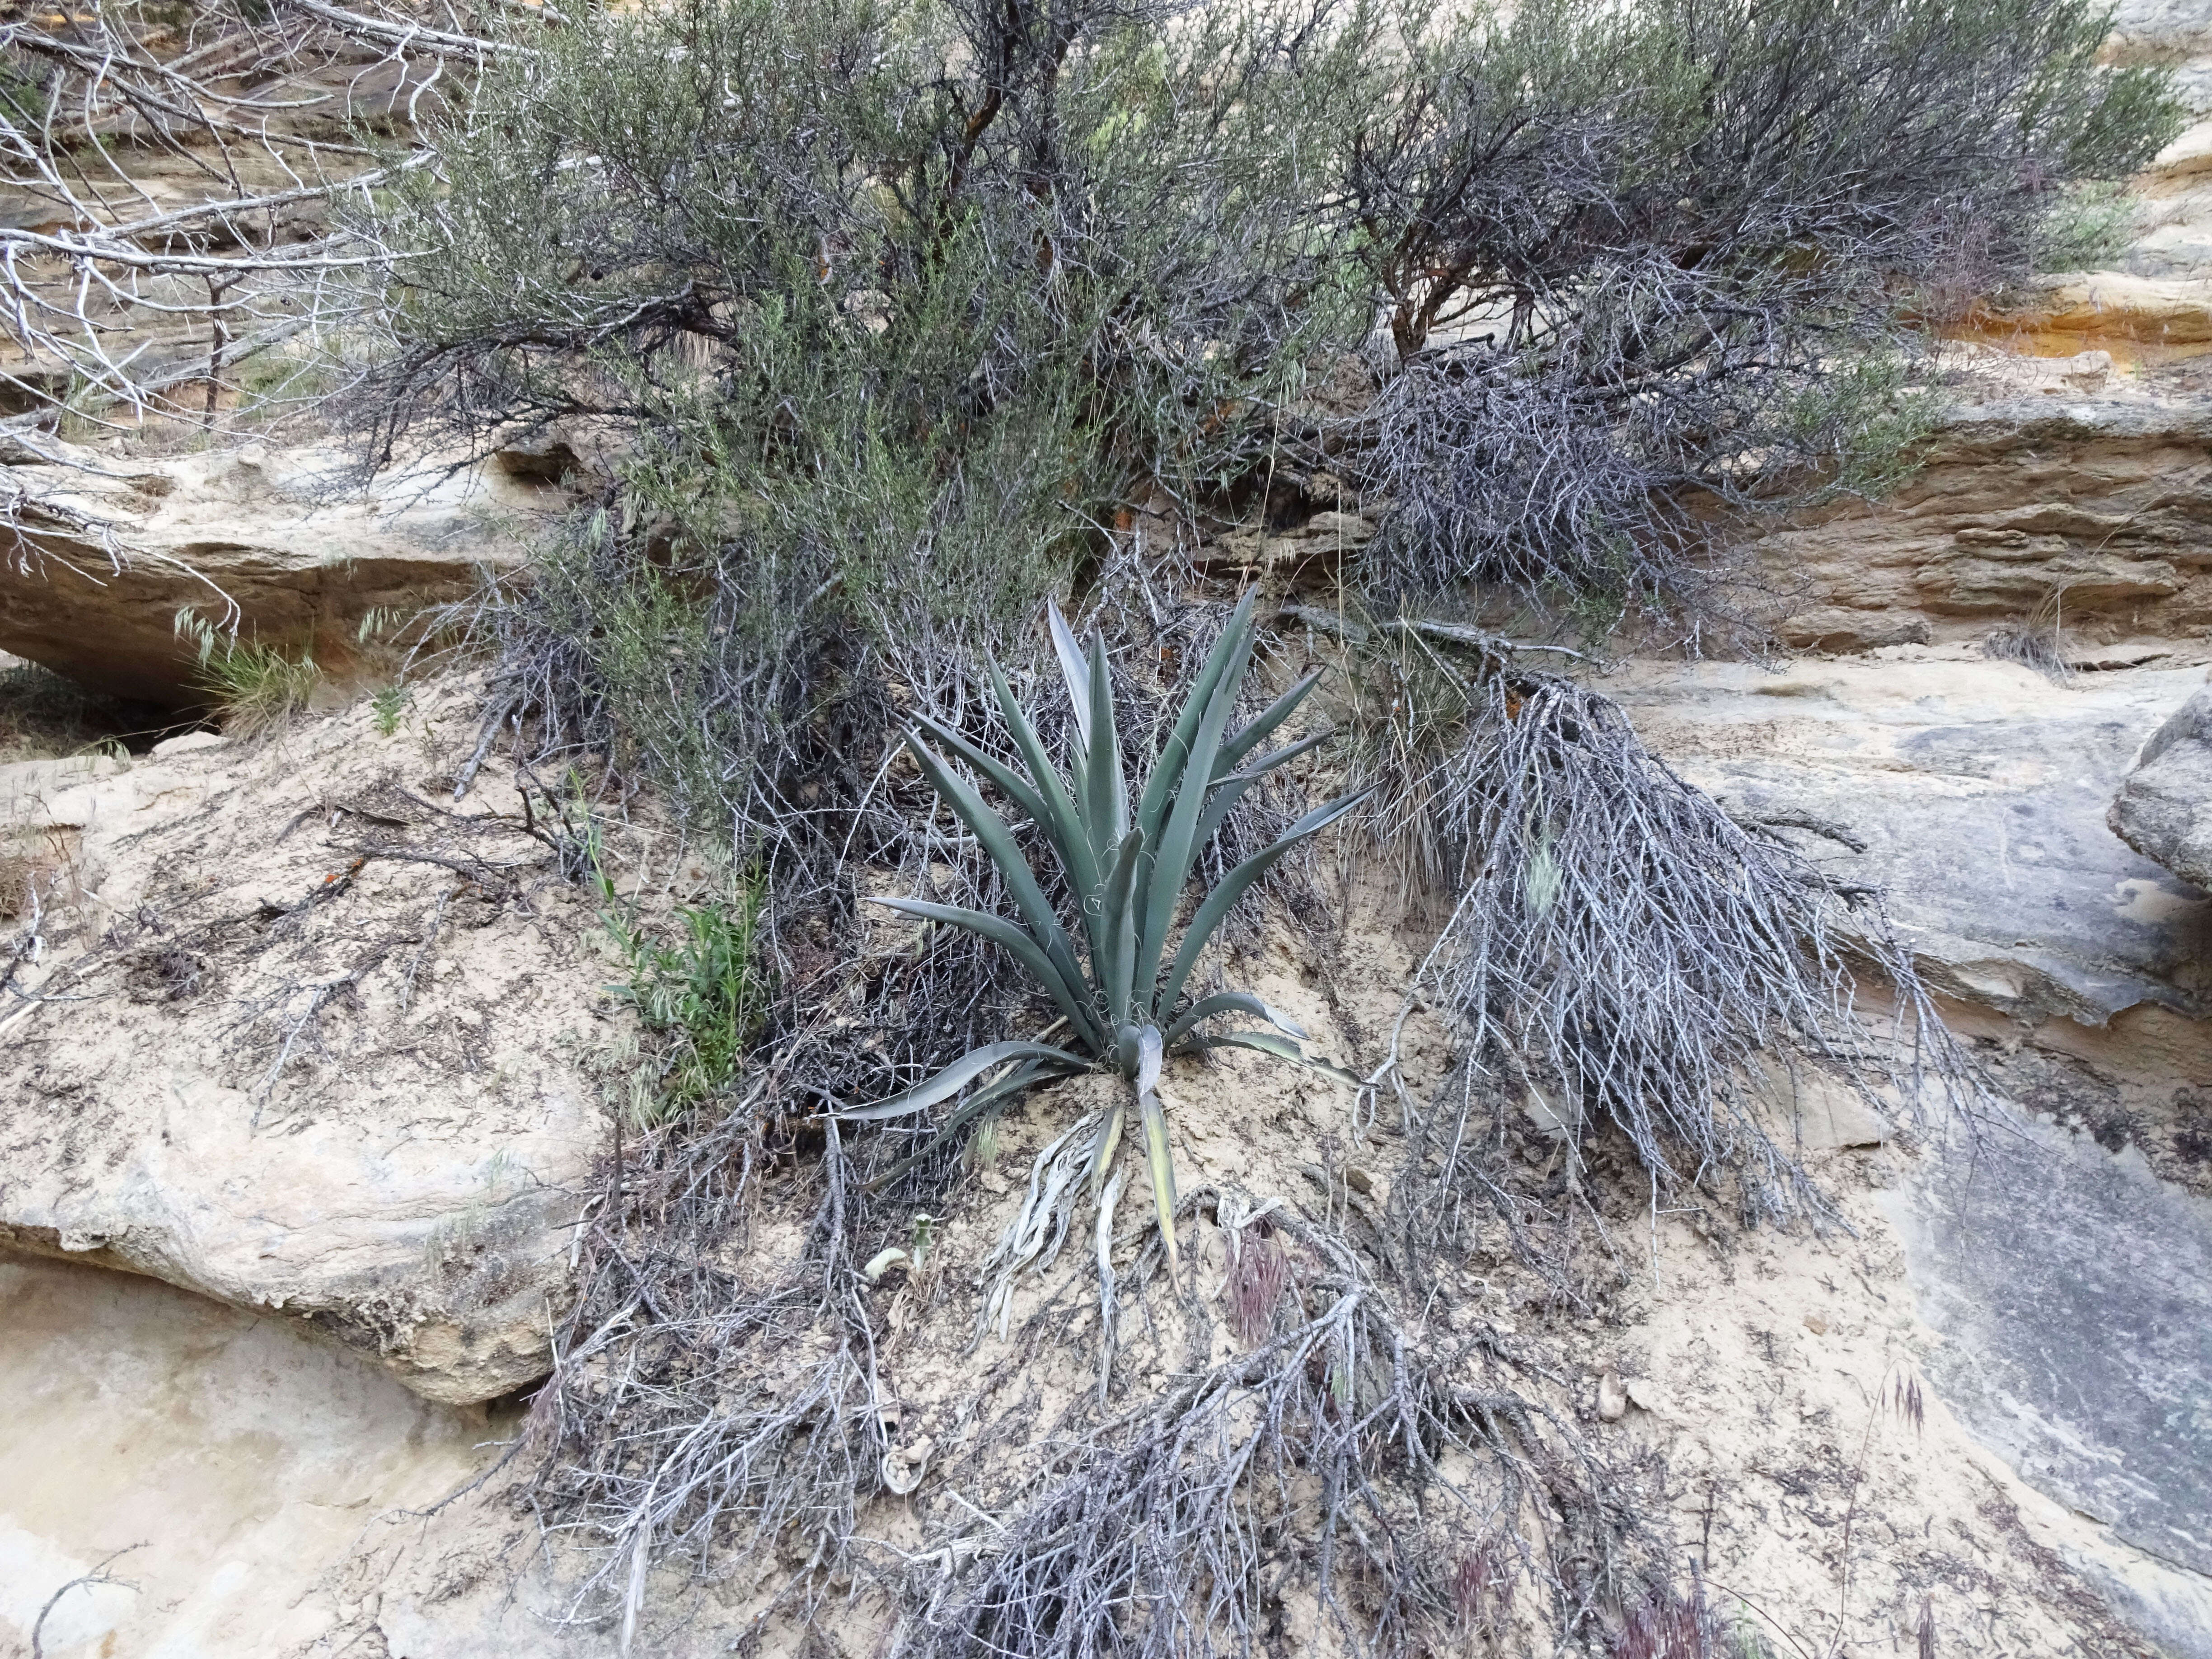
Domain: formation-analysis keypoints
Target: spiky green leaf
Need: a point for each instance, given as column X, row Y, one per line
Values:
column 1226, row 1002
column 1016, row 788
column 1167, row 774
column 1178, row 846
column 958, row 1076
column 1282, row 1048
column 1062, row 828
column 994, row 1094
column 1236, row 883
column 1073, row 999
column 1232, row 789
column 998, row 843
column 1234, row 748
column 1105, row 794
column 1114, row 941
column 1074, row 670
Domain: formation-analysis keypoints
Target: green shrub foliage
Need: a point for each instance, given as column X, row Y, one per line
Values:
column 1640, row 258
column 891, row 306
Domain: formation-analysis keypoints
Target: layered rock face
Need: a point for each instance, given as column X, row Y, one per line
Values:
column 261, row 537
column 2091, row 519
column 299, row 1032
column 312, row 1042
column 2059, row 1236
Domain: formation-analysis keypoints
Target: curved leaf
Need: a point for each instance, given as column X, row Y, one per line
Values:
column 958, row 1076
column 1282, row 1048
column 1151, row 1052
column 999, row 842
column 1162, row 1163
column 1014, row 788
column 1062, row 827
column 1022, row 1077
column 1223, row 1002
column 1235, row 749
column 1000, row 931
column 1232, row 789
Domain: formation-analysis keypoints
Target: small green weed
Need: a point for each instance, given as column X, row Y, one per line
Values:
column 389, row 705
column 702, row 995
column 254, row 686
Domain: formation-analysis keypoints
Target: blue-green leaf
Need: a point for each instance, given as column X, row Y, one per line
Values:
column 1234, row 885
column 1235, row 749
column 1074, row 670
column 1114, row 947
column 1168, row 770
column 1015, row 789
column 999, row 842
column 1178, row 847
column 958, row 1076
column 1062, row 828
column 1223, row 1002
column 1282, row 1048
column 1024, row 1076
column 1072, row 998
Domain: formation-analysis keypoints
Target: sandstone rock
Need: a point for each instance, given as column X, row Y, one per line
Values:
column 1612, row 1398
column 2137, row 319
column 262, row 1476
column 262, row 527
column 1320, row 542
column 347, row 1090
column 2074, row 1292
column 1820, row 1114
column 2092, row 514
column 2164, row 807
column 2176, row 209
column 2174, row 34
column 1981, row 790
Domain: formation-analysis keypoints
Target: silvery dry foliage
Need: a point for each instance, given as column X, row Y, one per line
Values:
column 1641, row 262
column 1617, row 949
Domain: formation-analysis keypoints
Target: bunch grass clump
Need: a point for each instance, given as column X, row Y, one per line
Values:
column 703, row 992
column 254, row 688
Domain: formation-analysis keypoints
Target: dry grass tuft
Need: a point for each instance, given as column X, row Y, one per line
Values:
column 17, row 873
column 254, row 688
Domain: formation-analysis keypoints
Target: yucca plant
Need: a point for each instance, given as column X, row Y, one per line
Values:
column 1126, row 858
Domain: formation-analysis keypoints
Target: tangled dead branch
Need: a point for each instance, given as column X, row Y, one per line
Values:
column 643, row 1445
column 177, row 247
column 1619, row 948
column 1339, row 1475
column 704, row 1413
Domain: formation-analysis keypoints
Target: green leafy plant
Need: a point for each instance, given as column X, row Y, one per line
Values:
column 703, row 992
column 1127, row 857
column 388, row 705
column 253, row 687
